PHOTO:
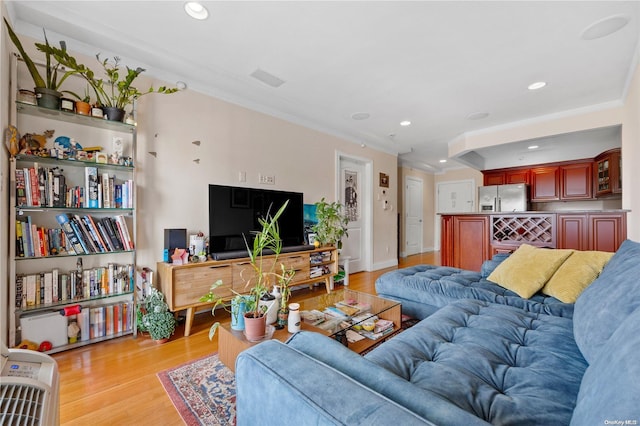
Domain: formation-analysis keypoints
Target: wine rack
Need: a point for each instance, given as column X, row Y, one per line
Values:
column 534, row 229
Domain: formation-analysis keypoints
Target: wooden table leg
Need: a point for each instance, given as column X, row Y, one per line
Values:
column 189, row 322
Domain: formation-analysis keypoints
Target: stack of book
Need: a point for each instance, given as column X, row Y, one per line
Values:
column 88, row 235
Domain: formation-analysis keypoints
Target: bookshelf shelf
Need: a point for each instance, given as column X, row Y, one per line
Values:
column 72, row 230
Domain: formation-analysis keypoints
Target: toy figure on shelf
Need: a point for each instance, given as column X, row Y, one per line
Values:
column 11, row 139
column 35, row 144
column 66, row 147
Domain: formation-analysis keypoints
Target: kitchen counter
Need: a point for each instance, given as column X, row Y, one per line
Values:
column 537, row 212
column 468, row 239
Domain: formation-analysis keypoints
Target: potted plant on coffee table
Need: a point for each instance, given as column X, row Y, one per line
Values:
column 47, row 86
column 332, row 223
column 236, row 307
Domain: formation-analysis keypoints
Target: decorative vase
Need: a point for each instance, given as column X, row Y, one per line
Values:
column 254, row 328
column 283, row 316
column 238, row 309
column 293, row 322
column 271, row 304
column 83, row 108
column 48, row 98
column 113, row 113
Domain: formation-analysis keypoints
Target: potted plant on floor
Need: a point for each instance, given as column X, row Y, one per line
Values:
column 332, row 223
column 115, row 92
column 156, row 318
column 47, row 87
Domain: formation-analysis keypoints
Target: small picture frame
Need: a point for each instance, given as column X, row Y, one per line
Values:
column 311, row 238
column 384, row 180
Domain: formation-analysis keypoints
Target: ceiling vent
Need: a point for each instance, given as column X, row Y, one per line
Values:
column 267, row 78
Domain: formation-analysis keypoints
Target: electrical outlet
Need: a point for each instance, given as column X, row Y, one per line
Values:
column 267, row 180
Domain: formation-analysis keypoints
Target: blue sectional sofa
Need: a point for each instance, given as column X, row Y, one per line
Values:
column 471, row 362
column 423, row 289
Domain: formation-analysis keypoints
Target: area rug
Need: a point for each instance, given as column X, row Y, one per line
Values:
column 203, row 391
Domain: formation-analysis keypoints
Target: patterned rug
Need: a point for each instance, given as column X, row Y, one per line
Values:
column 203, row 391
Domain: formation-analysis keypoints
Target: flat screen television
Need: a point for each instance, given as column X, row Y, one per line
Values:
column 234, row 213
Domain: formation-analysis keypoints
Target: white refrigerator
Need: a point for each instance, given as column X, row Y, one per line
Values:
column 503, row 198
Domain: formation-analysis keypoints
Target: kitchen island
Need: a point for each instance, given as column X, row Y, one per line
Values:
column 468, row 239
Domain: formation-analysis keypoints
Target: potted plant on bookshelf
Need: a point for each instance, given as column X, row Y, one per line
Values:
column 46, row 87
column 332, row 223
column 114, row 92
column 157, row 319
column 83, row 103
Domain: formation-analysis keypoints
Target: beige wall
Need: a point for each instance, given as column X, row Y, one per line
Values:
column 172, row 187
column 631, row 156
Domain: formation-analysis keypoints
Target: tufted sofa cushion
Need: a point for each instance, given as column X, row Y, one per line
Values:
column 433, row 287
column 497, row 362
column 608, row 301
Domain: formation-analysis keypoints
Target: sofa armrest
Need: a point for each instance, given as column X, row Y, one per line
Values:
column 276, row 383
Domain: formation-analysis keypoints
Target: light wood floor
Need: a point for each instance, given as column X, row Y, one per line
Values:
column 115, row 382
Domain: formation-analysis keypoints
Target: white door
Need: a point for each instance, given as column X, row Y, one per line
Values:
column 454, row 197
column 413, row 215
column 352, row 197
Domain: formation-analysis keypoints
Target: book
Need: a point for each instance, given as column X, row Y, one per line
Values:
column 96, row 233
column 91, row 186
column 106, row 191
column 124, row 232
column 21, row 195
column 70, row 233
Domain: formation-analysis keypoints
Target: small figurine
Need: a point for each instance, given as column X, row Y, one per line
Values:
column 11, row 139
column 35, row 144
column 66, row 147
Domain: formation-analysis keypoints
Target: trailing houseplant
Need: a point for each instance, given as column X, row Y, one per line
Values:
column 156, row 317
column 47, row 86
column 114, row 92
column 332, row 223
column 236, row 307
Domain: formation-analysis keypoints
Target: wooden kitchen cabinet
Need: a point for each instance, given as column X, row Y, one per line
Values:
column 545, row 184
column 494, row 178
column 607, row 173
column 592, row 231
column 507, row 176
column 466, row 241
column 576, row 181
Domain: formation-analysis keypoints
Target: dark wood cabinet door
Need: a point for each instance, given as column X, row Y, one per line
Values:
column 545, row 184
column 471, row 241
column 494, row 178
column 576, row 181
column 573, row 231
column 607, row 231
column 517, row 176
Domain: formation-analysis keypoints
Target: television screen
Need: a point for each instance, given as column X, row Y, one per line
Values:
column 234, row 213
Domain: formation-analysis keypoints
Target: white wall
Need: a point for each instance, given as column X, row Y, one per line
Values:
column 4, row 170
column 631, row 156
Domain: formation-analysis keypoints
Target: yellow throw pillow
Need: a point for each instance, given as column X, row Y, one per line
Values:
column 528, row 269
column 575, row 274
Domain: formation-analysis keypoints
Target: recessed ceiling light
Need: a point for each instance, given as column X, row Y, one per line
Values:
column 477, row 115
column 443, row 161
column 533, row 147
column 267, row 78
column 181, row 85
column 360, row 116
column 537, row 85
column 405, row 123
column 196, row 10
column 604, row 27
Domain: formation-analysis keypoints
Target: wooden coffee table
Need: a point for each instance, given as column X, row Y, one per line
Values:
column 232, row 342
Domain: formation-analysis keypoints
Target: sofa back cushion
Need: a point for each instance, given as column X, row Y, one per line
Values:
column 608, row 301
column 610, row 388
